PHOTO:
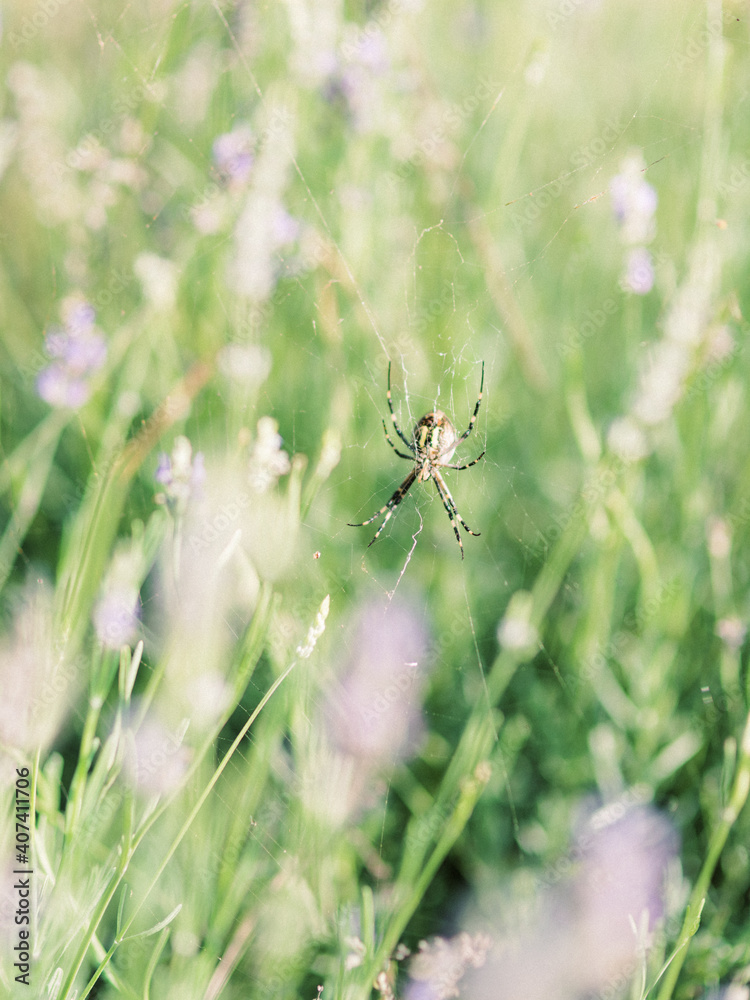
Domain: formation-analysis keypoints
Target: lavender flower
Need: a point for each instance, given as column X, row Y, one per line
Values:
column 516, row 630
column 253, row 269
column 371, row 717
column 374, row 711
column 117, row 612
column 590, row 930
column 156, row 760
column 732, row 632
column 358, row 76
column 182, row 474
column 634, row 202
column 233, row 154
column 77, row 350
column 207, row 590
column 315, row 631
column 286, row 228
column 116, row 616
column 733, row 991
column 639, row 271
column 626, row 439
column 372, row 52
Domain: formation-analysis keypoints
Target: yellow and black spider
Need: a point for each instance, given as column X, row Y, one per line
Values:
column 433, row 443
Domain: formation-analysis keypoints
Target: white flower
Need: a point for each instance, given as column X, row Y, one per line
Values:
column 626, row 439
column 158, row 277
column 438, row 966
column 37, row 685
column 267, row 460
column 516, row 630
column 316, row 630
column 732, row 632
column 244, row 363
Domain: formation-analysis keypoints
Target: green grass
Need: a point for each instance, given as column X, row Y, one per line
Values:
column 306, row 755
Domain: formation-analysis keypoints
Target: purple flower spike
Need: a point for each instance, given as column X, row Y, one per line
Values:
column 639, row 276
column 285, row 227
column 163, row 474
column 78, row 350
column 233, row 153
column 58, row 387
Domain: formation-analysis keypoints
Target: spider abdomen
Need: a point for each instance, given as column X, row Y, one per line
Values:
column 435, row 440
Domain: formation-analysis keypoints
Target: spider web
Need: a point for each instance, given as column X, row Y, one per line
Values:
column 456, row 353
column 437, row 342
column 441, row 370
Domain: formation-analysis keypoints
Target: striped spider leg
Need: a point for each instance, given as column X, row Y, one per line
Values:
column 390, row 507
column 450, row 505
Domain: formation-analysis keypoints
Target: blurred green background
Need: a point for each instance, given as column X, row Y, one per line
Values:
column 265, row 203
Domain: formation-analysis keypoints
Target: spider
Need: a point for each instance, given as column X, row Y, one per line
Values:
column 433, row 443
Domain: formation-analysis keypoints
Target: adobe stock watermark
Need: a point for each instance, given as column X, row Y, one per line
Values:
column 739, row 178
column 737, row 518
column 403, row 344
column 429, row 826
column 632, row 624
column 140, row 769
column 314, row 251
column 427, row 314
column 280, row 121
column 593, row 322
column 224, row 520
column 82, row 156
column 592, row 493
column 393, row 694
column 449, row 123
column 532, row 206
column 567, row 865
column 563, row 11
column 44, row 11
column 712, row 372
column 700, row 41
column 718, row 704
column 352, row 47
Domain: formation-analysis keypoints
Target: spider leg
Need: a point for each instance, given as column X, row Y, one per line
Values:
column 400, row 454
column 393, row 415
column 450, row 505
column 458, row 468
column 389, row 508
column 473, row 420
column 451, row 511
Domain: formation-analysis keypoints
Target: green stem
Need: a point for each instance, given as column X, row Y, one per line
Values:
column 85, row 755
column 101, row 908
column 697, row 900
column 177, row 840
column 472, row 789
